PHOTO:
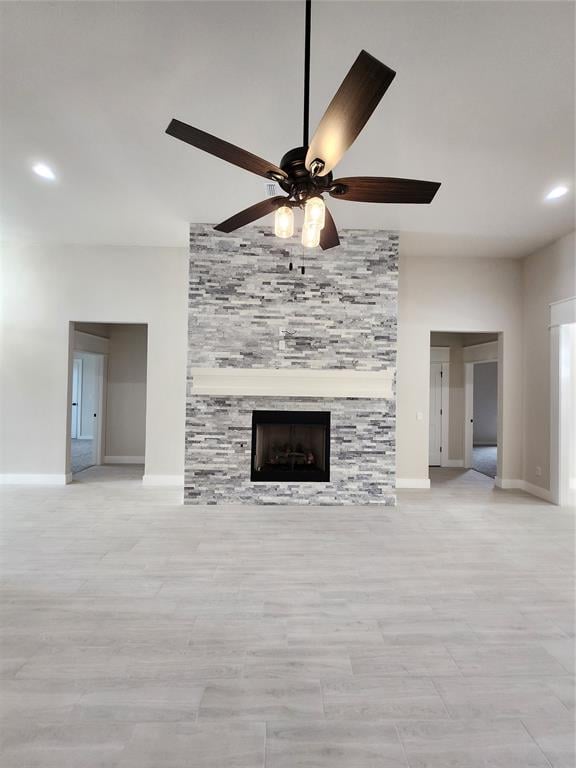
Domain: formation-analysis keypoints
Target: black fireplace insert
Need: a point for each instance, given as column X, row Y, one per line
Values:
column 291, row 446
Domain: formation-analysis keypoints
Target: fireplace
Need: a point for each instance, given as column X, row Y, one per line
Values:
column 291, row 446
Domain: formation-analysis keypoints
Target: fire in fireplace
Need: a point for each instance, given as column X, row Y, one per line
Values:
column 291, row 446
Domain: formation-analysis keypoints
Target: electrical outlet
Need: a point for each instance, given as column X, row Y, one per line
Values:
column 538, row 471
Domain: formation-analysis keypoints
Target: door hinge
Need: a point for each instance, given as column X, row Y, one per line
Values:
column 441, row 373
column 440, row 449
column 440, row 411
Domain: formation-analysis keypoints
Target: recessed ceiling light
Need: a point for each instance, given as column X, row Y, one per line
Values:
column 557, row 192
column 43, row 170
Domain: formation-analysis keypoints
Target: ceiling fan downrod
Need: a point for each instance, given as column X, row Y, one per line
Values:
column 305, row 173
column 308, row 17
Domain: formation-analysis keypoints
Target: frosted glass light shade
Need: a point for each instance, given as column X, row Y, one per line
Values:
column 310, row 234
column 315, row 212
column 284, row 222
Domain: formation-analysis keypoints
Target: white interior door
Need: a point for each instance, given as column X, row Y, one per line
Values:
column 76, row 395
column 435, row 433
column 567, row 415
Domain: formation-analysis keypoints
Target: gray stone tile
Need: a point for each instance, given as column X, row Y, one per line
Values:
column 184, row 745
column 505, row 659
column 289, row 589
column 416, row 661
column 139, row 701
column 556, row 737
column 333, row 745
column 72, row 745
column 300, row 663
column 476, row 743
column 262, row 700
column 461, row 735
column 528, row 756
column 366, row 698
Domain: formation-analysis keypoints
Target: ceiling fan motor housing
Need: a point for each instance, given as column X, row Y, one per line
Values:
column 299, row 183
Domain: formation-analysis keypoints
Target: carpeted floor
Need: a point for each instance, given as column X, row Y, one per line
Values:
column 484, row 459
column 81, row 454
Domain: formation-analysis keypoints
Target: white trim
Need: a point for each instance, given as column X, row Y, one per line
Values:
column 523, row 485
column 101, row 405
column 123, row 459
column 29, row 479
column 453, row 463
column 555, row 392
column 156, row 480
column 292, row 382
column 563, row 312
column 508, row 485
column 487, row 352
column 421, row 483
column 563, row 416
column 479, row 344
column 468, row 413
column 445, row 398
column 77, row 365
column 536, row 490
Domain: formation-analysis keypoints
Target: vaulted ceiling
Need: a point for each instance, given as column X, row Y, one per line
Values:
column 483, row 101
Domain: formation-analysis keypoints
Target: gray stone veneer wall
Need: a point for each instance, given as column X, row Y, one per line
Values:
column 219, row 440
column 342, row 311
column 341, row 314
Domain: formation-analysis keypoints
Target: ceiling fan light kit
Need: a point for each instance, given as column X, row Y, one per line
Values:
column 284, row 221
column 305, row 173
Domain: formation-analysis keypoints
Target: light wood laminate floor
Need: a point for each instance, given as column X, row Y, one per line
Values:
column 138, row 633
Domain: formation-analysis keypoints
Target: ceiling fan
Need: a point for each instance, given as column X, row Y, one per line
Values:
column 305, row 173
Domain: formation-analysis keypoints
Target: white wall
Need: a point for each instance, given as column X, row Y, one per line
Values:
column 485, row 404
column 548, row 275
column 126, row 393
column 43, row 290
column 468, row 295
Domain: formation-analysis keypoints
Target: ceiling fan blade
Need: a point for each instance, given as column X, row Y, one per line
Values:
column 250, row 214
column 223, row 150
column 329, row 234
column 348, row 112
column 379, row 189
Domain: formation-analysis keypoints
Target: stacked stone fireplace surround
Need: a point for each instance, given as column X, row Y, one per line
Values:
column 264, row 337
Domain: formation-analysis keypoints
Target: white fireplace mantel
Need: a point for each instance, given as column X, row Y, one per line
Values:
column 293, row 382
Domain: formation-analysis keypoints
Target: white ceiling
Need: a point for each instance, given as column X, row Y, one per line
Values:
column 483, row 102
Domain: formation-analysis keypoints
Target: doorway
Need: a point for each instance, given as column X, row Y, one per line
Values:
column 563, row 407
column 464, row 409
column 107, row 406
column 86, row 410
column 438, row 435
column 482, row 417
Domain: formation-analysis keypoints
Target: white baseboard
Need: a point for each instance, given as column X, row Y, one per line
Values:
column 176, row 481
column 453, row 463
column 523, row 485
column 507, row 484
column 29, row 479
column 536, row 490
column 123, row 459
column 419, row 482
